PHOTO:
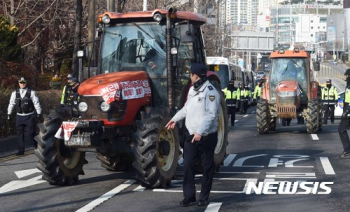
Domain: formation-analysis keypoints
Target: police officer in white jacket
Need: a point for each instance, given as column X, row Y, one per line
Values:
column 24, row 101
column 201, row 112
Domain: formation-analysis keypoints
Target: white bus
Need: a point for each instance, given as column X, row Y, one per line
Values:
column 227, row 70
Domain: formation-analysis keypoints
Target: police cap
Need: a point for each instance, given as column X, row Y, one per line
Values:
column 69, row 76
column 347, row 72
column 22, row 79
column 232, row 81
column 199, row 69
column 329, row 81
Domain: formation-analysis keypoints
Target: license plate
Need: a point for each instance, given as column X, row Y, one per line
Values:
column 79, row 140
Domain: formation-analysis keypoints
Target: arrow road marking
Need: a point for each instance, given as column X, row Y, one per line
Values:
column 18, row 184
column 24, row 173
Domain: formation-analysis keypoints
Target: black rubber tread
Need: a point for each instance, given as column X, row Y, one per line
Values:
column 320, row 116
column 51, row 161
column 273, row 124
column 262, row 116
column 118, row 162
column 147, row 167
column 220, row 150
column 313, row 116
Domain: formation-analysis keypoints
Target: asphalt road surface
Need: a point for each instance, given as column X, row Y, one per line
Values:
column 288, row 155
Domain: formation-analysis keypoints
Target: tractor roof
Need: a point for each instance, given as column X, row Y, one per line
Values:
column 289, row 53
column 145, row 16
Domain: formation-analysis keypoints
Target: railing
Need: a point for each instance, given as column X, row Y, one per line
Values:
column 330, row 71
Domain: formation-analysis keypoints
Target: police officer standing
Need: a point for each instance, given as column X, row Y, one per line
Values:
column 330, row 100
column 70, row 93
column 244, row 97
column 232, row 94
column 257, row 92
column 25, row 101
column 344, row 124
column 201, row 112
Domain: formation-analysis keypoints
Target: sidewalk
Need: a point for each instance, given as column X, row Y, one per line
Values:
column 8, row 146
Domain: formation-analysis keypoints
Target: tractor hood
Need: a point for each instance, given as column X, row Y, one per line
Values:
column 117, row 85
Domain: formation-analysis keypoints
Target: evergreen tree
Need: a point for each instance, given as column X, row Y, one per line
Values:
column 10, row 50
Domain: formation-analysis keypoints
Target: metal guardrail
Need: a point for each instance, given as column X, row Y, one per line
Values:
column 330, row 71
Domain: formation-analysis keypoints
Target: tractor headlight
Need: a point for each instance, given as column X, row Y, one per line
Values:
column 105, row 107
column 82, row 107
column 106, row 19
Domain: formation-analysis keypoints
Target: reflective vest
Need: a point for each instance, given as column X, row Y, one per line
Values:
column 330, row 95
column 257, row 91
column 347, row 95
column 231, row 96
column 245, row 94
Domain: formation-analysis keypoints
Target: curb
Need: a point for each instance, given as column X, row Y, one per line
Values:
column 8, row 146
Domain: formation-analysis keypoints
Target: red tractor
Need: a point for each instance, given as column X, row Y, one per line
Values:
column 289, row 91
column 141, row 80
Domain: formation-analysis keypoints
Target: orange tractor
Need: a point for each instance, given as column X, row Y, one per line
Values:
column 141, row 80
column 289, row 91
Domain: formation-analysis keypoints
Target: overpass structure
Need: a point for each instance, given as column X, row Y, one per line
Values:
column 253, row 46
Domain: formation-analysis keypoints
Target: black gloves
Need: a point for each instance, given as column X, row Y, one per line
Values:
column 345, row 114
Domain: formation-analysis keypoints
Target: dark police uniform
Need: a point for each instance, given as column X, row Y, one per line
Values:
column 70, row 95
column 344, row 124
column 330, row 100
column 201, row 113
column 24, row 101
column 244, row 97
column 232, row 94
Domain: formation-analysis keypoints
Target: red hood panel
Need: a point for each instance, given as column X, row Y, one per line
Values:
column 94, row 85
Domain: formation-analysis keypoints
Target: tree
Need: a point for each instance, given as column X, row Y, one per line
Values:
column 10, row 50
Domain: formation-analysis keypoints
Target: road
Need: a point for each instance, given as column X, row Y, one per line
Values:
column 288, row 154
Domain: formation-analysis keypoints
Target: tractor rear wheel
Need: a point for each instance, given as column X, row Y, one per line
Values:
column 313, row 116
column 60, row 165
column 118, row 162
column 262, row 116
column 273, row 124
column 220, row 149
column 156, row 149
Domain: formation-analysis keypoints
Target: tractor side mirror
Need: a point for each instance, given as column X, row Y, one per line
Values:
column 316, row 66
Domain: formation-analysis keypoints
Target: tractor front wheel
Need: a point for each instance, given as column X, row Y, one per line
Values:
column 156, row 149
column 60, row 165
column 262, row 116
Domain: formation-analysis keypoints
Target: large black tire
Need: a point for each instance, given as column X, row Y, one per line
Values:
column 156, row 149
column 220, row 149
column 313, row 116
column 59, row 165
column 320, row 115
column 273, row 123
column 118, row 162
column 262, row 116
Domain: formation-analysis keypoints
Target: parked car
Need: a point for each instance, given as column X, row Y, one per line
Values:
column 339, row 110
column 260, row 75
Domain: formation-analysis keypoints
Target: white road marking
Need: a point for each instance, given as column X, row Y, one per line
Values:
column 236, row 120
column 314, row 137
column 24, row 173
column 139, row 188
column 327, row 167
column 213, row 207
column 239, row 162
column 290, row 175
column 245, row 115
column 229, row 159
column 106, row 196
column 18, row 184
